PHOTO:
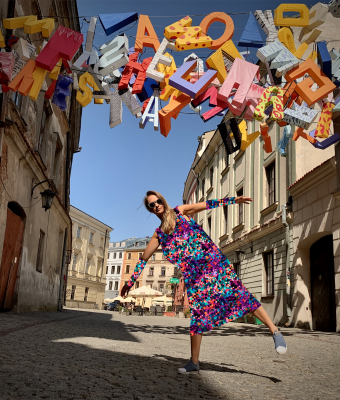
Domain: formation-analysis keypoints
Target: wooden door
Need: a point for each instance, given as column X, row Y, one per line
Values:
column 10, row 258
column 323, row 285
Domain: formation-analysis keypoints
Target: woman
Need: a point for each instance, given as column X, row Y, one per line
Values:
column 215, row 294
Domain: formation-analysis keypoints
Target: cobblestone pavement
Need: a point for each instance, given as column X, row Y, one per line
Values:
column 87, row 354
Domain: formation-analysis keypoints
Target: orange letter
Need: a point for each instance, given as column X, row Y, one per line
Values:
column 23, row 82
column 149, row 39
column 172, row 110
column 220, row 17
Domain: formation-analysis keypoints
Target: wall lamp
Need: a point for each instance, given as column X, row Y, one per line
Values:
column 47, row 195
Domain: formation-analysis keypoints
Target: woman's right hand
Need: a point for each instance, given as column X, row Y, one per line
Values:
column 125, row 291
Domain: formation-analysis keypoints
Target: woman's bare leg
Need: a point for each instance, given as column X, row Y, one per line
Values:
column 195, row 341
column 261, row 314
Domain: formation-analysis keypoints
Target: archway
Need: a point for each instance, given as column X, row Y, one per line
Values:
column 15, row 225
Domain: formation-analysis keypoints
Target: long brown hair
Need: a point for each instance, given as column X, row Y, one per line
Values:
column 169, row 215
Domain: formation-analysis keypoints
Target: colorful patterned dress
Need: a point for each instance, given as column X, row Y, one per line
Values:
column 215, row 293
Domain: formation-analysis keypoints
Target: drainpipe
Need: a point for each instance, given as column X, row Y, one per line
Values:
column 62, row 273
column 287, row 242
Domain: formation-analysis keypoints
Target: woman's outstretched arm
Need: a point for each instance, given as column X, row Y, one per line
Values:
column 151, row 248
column 191, row 209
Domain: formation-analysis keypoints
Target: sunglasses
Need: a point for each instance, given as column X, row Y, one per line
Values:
column 153, row 204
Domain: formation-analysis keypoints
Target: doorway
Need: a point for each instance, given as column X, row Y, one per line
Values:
column 323, row 285
column 15, row 225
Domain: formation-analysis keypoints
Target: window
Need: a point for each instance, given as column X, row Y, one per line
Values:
column 196, row 195
column 240, row 207
column 140, row 255
column 127, row 269
column 137, row 285
column 153, row 257
column 209, row 226
column 163, row 271
column 17, row 98
column 102, row 242
column 110, row 285
column 114, row 255
column 113, row 269
column 161, row 287
column 136, row 244
column 225, row 214
column 237, row 268
column 116, row 285
column 86, row 293
column 87, row 266
column 226, row 159
column 202, row 185
column 107, row 269
column 40, row 253
column 108, row 255
column 120, row 255
column 163, row 257
column 74, row 263
column 270, row 172
column 78, row 232
column 118, row 269
column 57, row 158
column 129, row 256
column 43, row 126
column 73, row 291
column 211, row 176
column 91, row 237
column 269, row 267
column 151, row 271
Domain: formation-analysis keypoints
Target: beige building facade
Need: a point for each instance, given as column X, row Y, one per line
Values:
column 37, row 144
column 262, row 240
column 87, row 271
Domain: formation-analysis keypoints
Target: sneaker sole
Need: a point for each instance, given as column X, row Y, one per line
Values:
column 188, row 373
column 281, row 350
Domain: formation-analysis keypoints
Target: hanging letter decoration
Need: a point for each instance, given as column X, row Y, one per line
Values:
column 218, row 17
column 113, row 22
column 63, row 44
column 303, row 88
column 146, row 35
column 172, row 110
column 192, row 89
column 31, row 24
column 151, row 116
column 187, row 36
column 324, row 124
column 134, row 67
column 279, row 20
column 282, row 145
column 159, row 58
column 226, row 128
column 114, row 55
column 62, row 90
column 266, row 100
column 300, row 116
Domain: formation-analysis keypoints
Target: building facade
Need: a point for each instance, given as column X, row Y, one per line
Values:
column 37, row 144
column 87, row 272
column 114, row 267
column 270, row 242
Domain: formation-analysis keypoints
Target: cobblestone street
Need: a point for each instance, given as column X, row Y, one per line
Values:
column 87, row 354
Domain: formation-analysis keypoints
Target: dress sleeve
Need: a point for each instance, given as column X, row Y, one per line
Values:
column 138, row 270
column 222, row 202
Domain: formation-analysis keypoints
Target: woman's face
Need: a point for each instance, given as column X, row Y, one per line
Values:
column 158, row 209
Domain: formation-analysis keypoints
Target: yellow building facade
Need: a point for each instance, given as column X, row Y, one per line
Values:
column 86, row 273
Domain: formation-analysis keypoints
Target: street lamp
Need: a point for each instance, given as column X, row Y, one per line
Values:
column 46, row 196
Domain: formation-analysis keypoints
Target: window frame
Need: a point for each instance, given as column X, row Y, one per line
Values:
column 116, row 285
column 240, row 213
column 209, row 225
column 110, row 285
column 271, row 183
column 113, row 268
column 127, row 269
column 269, row 273
column 225, row 219
column 211, row 176
column 40, row 252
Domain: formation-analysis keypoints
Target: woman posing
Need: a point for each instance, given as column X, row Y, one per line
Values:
column 215, row 293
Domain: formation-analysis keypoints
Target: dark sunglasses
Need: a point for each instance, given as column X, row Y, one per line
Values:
column 153, row 204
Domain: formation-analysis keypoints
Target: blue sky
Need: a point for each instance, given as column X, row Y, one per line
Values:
column 116, row 167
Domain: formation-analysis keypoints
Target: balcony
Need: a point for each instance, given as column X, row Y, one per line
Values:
column 85, row 276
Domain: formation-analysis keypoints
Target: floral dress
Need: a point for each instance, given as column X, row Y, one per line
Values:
column 215, row 293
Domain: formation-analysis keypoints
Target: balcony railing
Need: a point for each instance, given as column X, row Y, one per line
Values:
column 83, row 275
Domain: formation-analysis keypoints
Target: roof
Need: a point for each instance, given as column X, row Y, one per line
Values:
column 92, row 217
column 309, row 172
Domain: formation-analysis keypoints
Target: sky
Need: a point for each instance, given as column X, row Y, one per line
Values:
column 117, row 166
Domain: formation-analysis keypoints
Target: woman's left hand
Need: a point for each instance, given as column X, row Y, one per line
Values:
column 242, row 199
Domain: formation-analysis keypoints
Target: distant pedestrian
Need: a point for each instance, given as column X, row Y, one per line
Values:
column 215, row 293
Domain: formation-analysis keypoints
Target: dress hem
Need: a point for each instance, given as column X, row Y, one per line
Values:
column 226, row 320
